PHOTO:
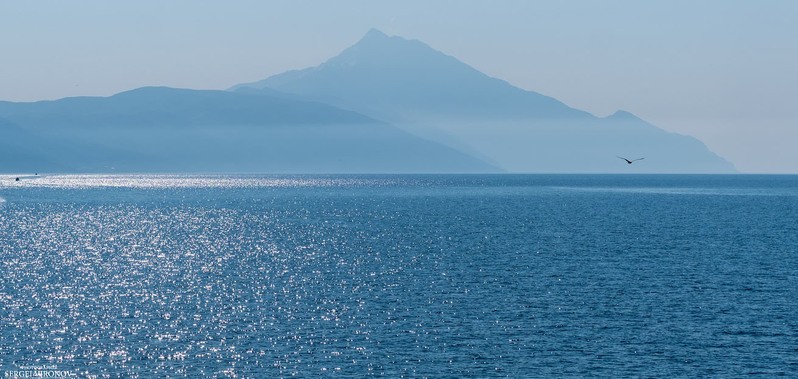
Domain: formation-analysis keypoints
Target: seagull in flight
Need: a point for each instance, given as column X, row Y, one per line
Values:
column 633, row 160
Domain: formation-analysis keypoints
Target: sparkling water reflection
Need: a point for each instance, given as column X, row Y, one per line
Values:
column 252, row 276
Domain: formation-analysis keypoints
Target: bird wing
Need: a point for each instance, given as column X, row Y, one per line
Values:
column 622, row 158
column 638, row 159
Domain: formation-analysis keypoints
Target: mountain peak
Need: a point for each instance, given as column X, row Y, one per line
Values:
column 381, row 71
column 375, row 40
column 622, row 114
column 373, row 34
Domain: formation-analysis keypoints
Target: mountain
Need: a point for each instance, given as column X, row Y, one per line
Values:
column 435, row 96
column 20, row 151
column 158, row 129
column 385, row 73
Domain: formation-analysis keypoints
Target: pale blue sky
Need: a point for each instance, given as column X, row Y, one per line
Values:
column 723, row 71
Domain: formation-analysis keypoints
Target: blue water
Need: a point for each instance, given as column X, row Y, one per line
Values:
column 438, row 276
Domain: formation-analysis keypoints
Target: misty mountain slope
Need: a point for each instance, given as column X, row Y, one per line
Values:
column 157, row 129
column 549, row 147
column 20, row 151
column 434, row 95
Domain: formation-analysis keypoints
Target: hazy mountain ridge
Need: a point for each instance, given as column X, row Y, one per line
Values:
column 159, row 129
column 162, row 105
column 431, row 94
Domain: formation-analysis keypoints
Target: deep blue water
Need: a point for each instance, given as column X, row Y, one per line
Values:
column 438, row 276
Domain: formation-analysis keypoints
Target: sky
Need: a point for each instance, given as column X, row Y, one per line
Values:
column 723, row 71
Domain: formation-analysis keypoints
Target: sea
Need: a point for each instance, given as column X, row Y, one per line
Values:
column 440, row 276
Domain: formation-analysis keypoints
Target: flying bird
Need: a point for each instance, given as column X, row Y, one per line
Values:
column 633, row 160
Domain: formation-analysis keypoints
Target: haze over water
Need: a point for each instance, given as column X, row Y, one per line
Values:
column 438, row 275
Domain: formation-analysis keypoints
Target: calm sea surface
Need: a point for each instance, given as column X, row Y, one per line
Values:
column 438, row 276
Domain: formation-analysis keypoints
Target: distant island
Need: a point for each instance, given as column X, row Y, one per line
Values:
column 384, row 105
